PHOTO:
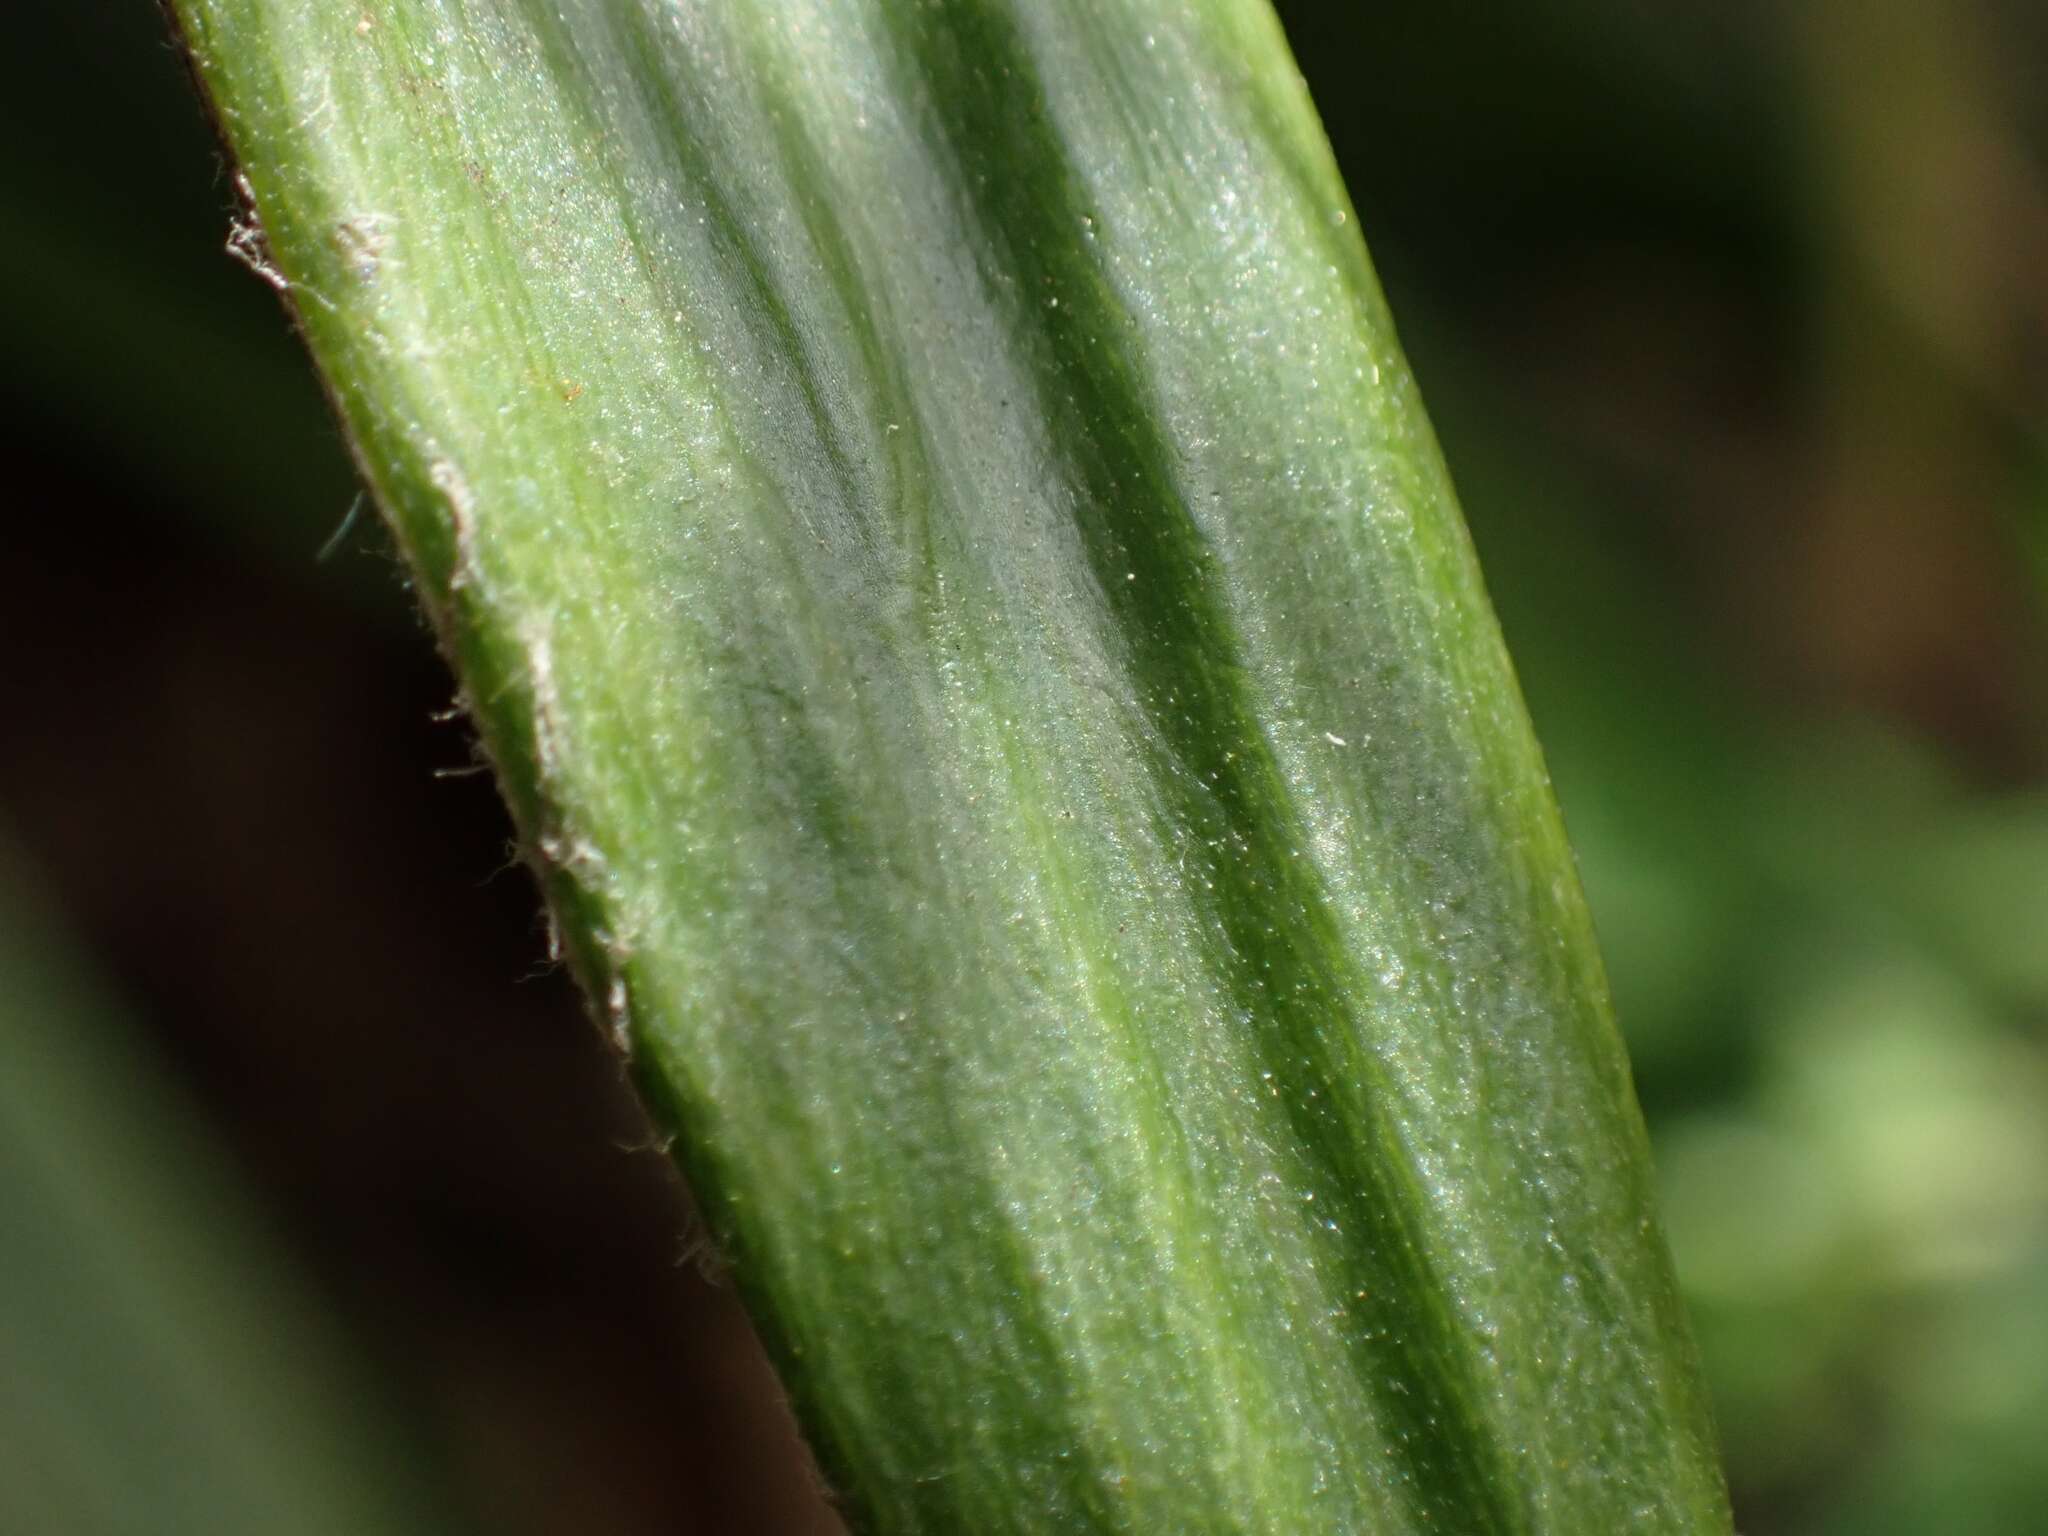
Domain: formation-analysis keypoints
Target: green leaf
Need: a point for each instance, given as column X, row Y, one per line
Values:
column 941, row 544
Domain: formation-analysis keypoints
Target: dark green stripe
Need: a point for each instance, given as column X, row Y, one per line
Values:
column 1285, row 964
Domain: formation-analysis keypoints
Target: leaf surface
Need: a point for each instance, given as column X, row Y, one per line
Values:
column 940, row 541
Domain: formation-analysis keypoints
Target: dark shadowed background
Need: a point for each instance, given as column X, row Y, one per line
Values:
column 1733, row 319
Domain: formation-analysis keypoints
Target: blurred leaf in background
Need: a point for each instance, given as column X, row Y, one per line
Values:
column 166, row 1370
column 1734, row 322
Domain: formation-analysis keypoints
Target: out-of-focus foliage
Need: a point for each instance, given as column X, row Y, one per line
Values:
column 162, row 1368
column 1732, row 322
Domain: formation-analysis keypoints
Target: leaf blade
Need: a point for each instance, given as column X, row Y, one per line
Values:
column 939, row 537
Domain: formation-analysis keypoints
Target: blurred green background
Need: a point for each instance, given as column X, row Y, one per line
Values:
column 1733, row 319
